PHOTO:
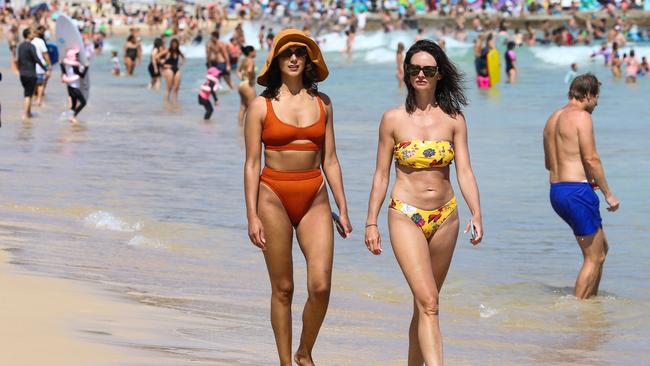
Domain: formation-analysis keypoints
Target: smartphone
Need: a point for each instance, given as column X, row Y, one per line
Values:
column 338, row 225
column 472, row 230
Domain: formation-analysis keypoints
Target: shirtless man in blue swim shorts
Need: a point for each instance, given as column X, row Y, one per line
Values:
column 575, row 171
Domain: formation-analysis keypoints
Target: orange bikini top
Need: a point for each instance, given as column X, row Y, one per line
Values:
column 277, row 135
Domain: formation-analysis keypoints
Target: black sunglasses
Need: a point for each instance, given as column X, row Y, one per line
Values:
column 298, row 51
column 414, row 70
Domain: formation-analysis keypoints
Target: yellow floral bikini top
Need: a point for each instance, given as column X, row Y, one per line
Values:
column 420, row 154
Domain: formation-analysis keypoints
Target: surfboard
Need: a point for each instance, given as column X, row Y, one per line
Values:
column 68, row 36
column 494, row 67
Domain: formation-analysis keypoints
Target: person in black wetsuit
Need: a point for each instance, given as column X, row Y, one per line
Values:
column 511, row 64
column 209, row 88
column 27, row 60
column 71, row 74
column 172, row 59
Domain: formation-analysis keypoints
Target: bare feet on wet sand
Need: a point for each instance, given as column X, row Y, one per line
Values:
column 303, row 358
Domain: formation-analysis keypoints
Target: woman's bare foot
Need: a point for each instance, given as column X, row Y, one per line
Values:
column 73, row 120
column 303, row 358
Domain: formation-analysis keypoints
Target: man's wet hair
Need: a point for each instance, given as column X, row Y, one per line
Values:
column 583, row 86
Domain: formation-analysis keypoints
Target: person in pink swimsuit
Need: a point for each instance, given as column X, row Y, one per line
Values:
column 631, row 68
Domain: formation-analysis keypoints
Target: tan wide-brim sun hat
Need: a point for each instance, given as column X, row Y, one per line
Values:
column 290, row 38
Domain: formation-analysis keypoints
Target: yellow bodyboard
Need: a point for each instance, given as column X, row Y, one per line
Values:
column 494, row 66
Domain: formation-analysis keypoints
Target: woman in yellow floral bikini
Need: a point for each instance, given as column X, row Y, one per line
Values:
column 424, row 136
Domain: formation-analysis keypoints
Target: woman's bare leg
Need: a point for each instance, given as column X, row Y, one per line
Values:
column 423, row 263
column 176, row 85
column 279, row 263
column 169, row 79
column 315, row 235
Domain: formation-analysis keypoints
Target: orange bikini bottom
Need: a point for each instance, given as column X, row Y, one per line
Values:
column 295, row 189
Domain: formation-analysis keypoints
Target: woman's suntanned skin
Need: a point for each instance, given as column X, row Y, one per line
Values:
column 269, row 226
column 424, row 262
column 246, row 73
column 173, row 80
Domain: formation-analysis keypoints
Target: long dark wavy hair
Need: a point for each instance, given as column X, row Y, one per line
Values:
column 450, row 94
column 309, row 78
column 175, row 48
column 158, row 43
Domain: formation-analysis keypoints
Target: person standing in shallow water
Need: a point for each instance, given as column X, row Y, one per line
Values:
column 399, row 60
column 511, row 63
column 172, row 59
column 131, row 54
column 291, row 193
column 155, row 67
column 573, row 163
column 424, row 136
column 246, row 73
column 27, row 60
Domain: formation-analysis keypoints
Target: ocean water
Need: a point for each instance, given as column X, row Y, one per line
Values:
column 146, row 199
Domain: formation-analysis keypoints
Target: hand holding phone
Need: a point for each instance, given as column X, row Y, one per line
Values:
column 472, row 230
column 475, row 237
column 338, row 225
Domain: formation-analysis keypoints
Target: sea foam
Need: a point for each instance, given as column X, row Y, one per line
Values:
column 107, row 221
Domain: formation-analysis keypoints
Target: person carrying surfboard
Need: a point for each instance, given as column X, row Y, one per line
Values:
column 42, row 73
column 492, row 60
column 72, row 71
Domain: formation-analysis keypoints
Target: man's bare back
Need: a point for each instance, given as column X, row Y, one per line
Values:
column 562, row 144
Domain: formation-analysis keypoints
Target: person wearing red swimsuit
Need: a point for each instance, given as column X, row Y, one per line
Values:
column 292, row 124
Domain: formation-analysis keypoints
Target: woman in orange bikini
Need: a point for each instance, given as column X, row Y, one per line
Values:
column 424, row 136
column 293, row 122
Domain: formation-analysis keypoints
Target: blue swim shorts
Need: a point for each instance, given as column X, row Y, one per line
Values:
column 578, row 205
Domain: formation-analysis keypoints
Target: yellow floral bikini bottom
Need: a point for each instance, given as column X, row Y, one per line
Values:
column 427, row 220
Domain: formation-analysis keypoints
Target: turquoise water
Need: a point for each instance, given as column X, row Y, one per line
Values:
column 146, row 199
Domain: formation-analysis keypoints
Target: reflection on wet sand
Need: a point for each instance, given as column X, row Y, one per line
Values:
column 71, row 135
column 25, row 133
column 584, row 330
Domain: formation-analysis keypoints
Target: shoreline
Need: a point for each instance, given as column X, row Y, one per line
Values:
column 63, row 322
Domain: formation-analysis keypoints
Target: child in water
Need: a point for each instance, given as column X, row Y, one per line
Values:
column 209, row 87
column 571, row 74
column 71, row 74
column 116, row 64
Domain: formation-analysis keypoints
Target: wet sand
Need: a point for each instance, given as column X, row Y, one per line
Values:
column 61, row 322
column 44, row 321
